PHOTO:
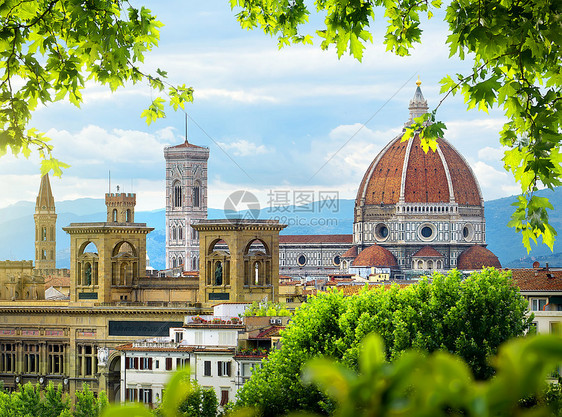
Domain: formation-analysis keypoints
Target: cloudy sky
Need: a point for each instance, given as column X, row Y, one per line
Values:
column 290, row 119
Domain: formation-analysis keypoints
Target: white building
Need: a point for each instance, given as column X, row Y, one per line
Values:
column 208, row 344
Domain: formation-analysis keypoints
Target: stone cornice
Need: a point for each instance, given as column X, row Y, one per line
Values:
column 107, row 228
column 107, row 311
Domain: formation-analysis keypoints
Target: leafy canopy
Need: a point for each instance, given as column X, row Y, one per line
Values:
column 470, row 318
column 514, row 46
column 49, row 49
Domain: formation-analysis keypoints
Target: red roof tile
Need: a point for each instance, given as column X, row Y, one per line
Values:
column 186, row 144
column 273, row 331
column 375, row 255
column 537, row 279
column 427, row 252
column 477, row 257
column 351, row 252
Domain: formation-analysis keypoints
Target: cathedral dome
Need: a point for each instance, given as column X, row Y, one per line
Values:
column 403, row 173
column 375, row 255
column 477, row 257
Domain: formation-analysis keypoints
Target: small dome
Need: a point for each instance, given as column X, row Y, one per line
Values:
column 351, row 252
column 477, row 257
column 427, row 252
column 375, row 255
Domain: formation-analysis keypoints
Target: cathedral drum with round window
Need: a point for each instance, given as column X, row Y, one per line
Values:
column 427, row 232
column 301, row 260
column 381, row 232
column 468, row 232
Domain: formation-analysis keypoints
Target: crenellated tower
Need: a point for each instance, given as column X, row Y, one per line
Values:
column 45, row 227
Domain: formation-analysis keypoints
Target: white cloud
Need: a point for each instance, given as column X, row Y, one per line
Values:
column 491, row 154
column 236, row 96
column 494, row 183
column 94, row 145
column 243, row 147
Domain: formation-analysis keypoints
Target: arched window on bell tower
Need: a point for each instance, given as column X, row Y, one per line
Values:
column 115, row 215
column 197, row 194
column 177, row 194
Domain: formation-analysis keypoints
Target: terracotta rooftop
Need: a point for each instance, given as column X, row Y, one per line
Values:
column 427, row 252
column 57, row 281
column 477, row 257
column 316, row 239
column 273, row 331
column 186, row 144
column 375, row 255
column 351, row 252
column 537, row 279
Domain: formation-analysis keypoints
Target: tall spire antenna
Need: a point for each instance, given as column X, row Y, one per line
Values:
column 185, row 127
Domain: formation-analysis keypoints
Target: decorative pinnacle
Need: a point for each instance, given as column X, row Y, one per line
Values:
column 418, row 82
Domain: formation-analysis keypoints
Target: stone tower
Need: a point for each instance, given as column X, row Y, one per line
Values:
column 186, row 201
column 45, row 227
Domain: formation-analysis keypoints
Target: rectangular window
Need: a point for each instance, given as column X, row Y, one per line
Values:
column 31, row 358
column 224, row 397
column 168, row 364
column 207, row 371
column 178, row 363
column 132, row 394
column 157, row 364
column 86, row 360
column 146, row 363
column 55, row 359
column 538, row 304
column 179, row 337
column 146, row 395
column 223, row 368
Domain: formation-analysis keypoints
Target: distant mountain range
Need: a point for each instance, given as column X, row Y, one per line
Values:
column 17, row 227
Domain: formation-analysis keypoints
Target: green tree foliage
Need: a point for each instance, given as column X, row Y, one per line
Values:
column 87, row 404
column 49, row 49
column 441, row 384
column 514, row 46
column 267, row 309
column 34, row 401
column 470, row 317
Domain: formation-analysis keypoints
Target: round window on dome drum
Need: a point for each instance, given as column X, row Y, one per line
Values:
column 381, row 231
column 468, row 232
column 336, row 260
column 301, row 260
column 427, row 232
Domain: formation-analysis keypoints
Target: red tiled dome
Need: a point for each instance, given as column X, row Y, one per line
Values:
column 477, row 257
column 375, row 255
column 351, row 252
column 400, row 169
column 428, row 252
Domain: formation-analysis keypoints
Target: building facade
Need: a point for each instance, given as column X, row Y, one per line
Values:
column 186, row 201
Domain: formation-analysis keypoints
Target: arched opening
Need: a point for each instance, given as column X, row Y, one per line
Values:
column 180, row 233
column 114, row 378
column 430, row 264
column 177, row 200
column 44, row 234
column 257, row 263
column 174, row 233
column 197, row 194
column 218, row 264
column 174, row 263
column 124, row 264
column 114, row 215
column 194, row 264
column 128, row 216
column 180, row 261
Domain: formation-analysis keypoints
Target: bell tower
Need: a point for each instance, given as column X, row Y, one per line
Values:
column 45, row 227
column 186, row 202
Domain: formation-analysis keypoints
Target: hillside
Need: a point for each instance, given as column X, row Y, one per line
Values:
column 17, row 228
